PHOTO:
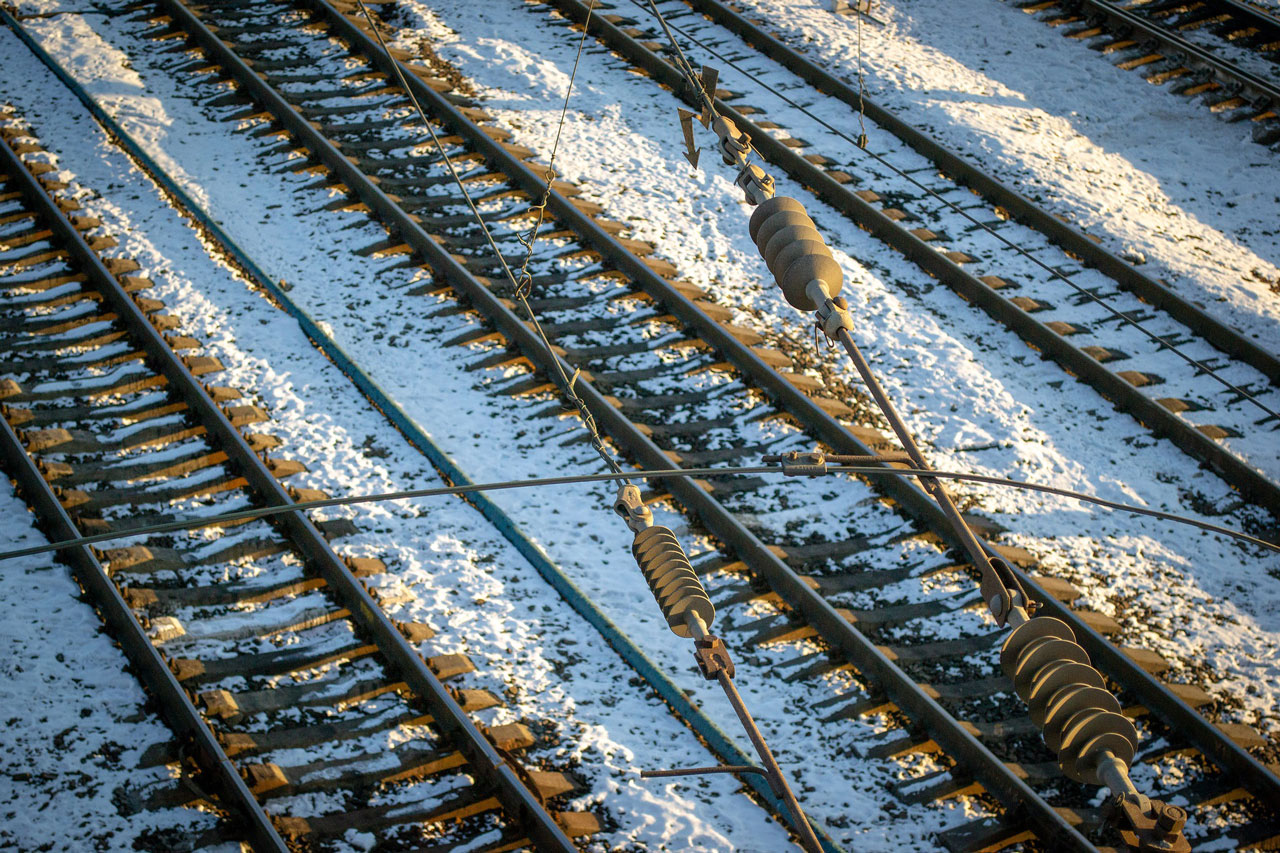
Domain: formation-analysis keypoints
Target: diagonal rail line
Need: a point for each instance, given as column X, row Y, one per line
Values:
column 784, row 580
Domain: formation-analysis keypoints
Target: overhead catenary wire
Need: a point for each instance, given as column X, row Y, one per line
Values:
column 628, row 505
column 1115, row 313
column 197, row 522
column 565, row 383
column 708, row 99
column 525, row 285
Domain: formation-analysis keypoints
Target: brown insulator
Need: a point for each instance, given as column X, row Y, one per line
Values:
column 794, row 251
column 671, row 578
column 1081, row 720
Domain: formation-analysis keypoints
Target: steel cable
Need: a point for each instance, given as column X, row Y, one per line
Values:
column 643, row 474
column 565, row 382
column 1115, row 313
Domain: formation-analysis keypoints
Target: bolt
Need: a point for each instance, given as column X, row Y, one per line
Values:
column 1170, row 819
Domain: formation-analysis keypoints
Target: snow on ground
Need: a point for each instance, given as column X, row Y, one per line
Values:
column 972, row 390
column 1152, row 172
column 74, row 725
column 448, row 568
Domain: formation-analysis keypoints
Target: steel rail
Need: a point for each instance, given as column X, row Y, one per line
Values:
column 1155, row 695
column 716, row 739
column 1000, row 194
column 1253, row 12
column 1234, row 470
column 174, row 703
column 1192, row 55
column 483, row 759
column 1017, row 796
column 1176, row 713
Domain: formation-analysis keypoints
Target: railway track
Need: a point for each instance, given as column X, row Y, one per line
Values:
column 1093, row 313
column 1224, row 52
column 270, row 658
column 295, row 72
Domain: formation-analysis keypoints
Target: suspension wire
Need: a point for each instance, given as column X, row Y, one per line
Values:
column 195, row 523
column 525, row 286
column 565, row 383
column 862, row 107
column 1090, row 295
column 708, row 100
column 589, row 420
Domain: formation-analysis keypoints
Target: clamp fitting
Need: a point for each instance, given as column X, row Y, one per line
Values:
column 797, row 464
column 735, row 145
column 632, row 509
column 833, row 314
column 756, row 184
column 713, row 658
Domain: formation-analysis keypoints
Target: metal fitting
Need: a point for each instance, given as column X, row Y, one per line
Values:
column 713, row 658
column 797, row 464
column 735, row 145
column 1148, row 826
column 631, row 508
column 833, row 314
column 756, row 184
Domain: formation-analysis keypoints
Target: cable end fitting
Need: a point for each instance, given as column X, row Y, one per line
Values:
column 833, row 314
column 631, row 508
column 713, row 658
column 756, row 184
column 1147, row 825
column 797, row 464
column 734, row 145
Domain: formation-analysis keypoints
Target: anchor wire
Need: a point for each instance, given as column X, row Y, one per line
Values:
column 565, row 383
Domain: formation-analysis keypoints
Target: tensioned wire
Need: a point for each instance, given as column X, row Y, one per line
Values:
column 566, row 383
column 1114, row 312
column 195, row 523
column 588, row 419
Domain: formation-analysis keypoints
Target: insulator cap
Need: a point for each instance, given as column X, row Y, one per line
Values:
column 671, row 578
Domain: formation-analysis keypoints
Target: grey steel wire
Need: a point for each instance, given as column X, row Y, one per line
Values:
column 1115, row 313
column 525, row 286
column 643, row 474
column 565, row 383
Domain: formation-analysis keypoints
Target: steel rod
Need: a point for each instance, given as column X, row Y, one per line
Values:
column 773, row 772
